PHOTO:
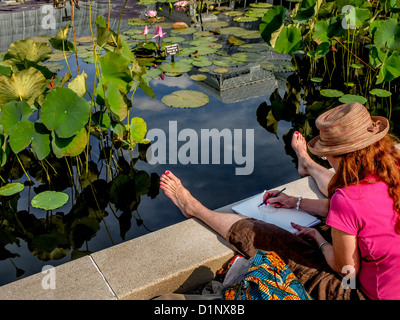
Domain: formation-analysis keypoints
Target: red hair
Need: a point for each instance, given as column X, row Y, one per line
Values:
column 381, row 160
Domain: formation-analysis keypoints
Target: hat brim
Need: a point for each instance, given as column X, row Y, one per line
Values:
column 315, row 146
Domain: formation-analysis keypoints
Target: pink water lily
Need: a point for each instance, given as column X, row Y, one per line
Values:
column 151, row 13
column 160, row 35
column 181, row 4
column 145, row 32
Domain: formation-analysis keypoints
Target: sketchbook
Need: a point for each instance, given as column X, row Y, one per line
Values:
column 281, row 217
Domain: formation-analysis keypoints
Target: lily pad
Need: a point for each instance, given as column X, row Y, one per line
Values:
column 221, row 70
column 349, row 98
column 233, row 13
column 11, row 189
column 215, row 24
column 380, row 93
column 316, row 79
column 49, row 200
column 261, row 5
column 331, row 93
column 176, row 67
column 245, row 19
column 183, row 31
column 22, row 85
column 186, row 99
column 247, row 57
column 198, row 77
column 65, row 112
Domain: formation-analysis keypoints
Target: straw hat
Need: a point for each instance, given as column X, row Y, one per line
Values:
column 347, row 128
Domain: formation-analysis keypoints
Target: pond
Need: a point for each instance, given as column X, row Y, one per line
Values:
column 231, row 112
column 220, row 116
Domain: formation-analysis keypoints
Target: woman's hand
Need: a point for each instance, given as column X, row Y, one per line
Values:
column 309, row 234
column 280, row 201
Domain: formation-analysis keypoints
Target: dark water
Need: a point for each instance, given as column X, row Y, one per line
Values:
column 215, row 185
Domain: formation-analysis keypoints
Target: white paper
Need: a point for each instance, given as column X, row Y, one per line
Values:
column 281, row 217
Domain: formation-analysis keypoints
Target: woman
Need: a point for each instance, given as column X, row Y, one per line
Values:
column 362, row 210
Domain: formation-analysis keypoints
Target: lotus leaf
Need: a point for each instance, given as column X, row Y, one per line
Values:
column 60, row 41
column 22, row 136
column 6, row 70
column 22, row 85
column 11, row 189
column 22, row 50
column 115, row 68
column 349, row 98
column 116, row 102
column 204, row 69
column 185, row 99
column 12, row 113
column 271, row 22
column 137, row 131
column 101, row 119
column 78, row 85
column 380, row 93
column 154, row 73
column 390, row 68
column 49, row 200
column 289, row 40
column 65, row 112
column 27, row 132
column 72, row 147
column 388, row 35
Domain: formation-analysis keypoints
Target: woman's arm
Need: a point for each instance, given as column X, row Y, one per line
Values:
column 342, row 252
column 318, row 207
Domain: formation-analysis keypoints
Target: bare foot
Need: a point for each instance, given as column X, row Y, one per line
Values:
column 299, row 145
column 179, row 195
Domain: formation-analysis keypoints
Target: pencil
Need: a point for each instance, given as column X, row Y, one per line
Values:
column 273, row 196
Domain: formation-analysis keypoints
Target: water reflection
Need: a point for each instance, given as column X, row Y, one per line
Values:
column 106, row 207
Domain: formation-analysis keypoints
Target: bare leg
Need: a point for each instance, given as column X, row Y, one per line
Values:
column 307, row 166
column 191, row 207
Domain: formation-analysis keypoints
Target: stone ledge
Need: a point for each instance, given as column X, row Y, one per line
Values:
column 174, row 259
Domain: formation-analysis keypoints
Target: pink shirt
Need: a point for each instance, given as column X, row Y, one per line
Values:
column 366, row 211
